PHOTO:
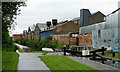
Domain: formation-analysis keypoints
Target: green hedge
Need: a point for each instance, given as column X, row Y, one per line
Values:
column 37, row 45
column 7, row 43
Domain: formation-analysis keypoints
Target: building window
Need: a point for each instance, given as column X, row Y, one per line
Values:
column 99, row 33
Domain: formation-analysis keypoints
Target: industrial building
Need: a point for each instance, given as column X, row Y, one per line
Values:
column 104, row 33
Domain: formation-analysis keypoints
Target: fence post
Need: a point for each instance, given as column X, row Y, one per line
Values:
column 103, row 60
column 113, row 55
column 94, row 54
column 64, row 50
column 103, row 50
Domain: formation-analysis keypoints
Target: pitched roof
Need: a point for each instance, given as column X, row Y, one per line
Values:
column 96, row 13
column 24, row 31
column 41, row 26
column 77, row 18
column 32, row 28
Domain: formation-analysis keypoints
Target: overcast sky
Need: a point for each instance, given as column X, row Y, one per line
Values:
column 40, row 11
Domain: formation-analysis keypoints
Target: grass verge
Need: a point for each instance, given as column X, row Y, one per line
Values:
column 93, row 49
column 9, row 61
column 117, row 55
column 20, row 50
column 64, row 64
column 109, row 53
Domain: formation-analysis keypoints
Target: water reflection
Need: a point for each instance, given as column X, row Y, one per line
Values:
column 107, row 62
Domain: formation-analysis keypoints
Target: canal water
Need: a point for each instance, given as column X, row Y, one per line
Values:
column 107, row 62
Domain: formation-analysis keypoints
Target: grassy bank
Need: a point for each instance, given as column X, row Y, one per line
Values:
column 21, row 50
column 94, row 49
column 109, row 54
column 117, row 55
column 64, row 64
column 9, row 60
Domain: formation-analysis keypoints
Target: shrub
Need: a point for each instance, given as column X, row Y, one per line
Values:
column 7, row 43
column 73, row 48
column 37, row 45
column 54, row 43
column 61, row 45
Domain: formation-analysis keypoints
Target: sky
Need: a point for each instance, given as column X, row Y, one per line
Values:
column 40, row 11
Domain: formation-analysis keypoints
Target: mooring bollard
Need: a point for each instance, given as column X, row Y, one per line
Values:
column 64, row 50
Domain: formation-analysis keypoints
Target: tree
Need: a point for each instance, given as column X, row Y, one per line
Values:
column 9, row 12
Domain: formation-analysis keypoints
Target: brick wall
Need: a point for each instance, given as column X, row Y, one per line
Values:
column 16, row 36
column 72, row 42
column 85, row 40
column 63, row 39
column 66, row 28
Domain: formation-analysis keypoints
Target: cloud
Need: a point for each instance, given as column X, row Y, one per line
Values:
column 45, row 10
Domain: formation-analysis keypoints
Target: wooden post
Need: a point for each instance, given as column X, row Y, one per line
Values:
column 113, row 55
column 77, row 41
column 103, row 50
column 103, row 54
column 102, row 60
column 64, row 50
column 94, row 55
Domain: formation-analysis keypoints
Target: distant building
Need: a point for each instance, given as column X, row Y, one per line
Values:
column 61, row 31
column 96, row 17
column 31, row 32
column 44, row 34
column 88, row 21
column 31, row 29
column 84, row 17
column 66, row 28
column 39, row 28
column 76, row 20
column 108, row 32
column 16, row 36
column 25, row 33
